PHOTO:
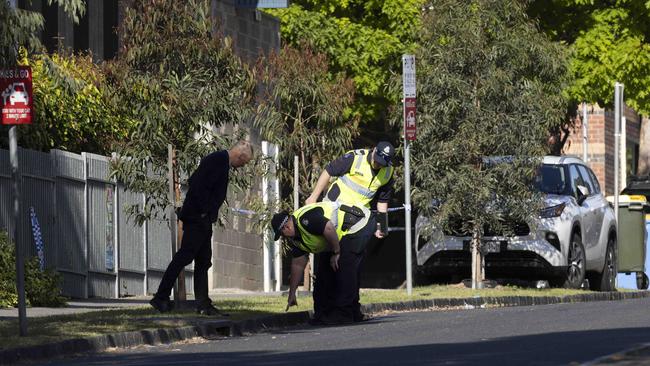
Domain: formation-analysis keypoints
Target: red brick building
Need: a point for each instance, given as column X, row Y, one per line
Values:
column 600, row 143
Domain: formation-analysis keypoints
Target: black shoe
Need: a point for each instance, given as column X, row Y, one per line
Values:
column 210, row 310
column 162, row 305
column 336, row 320
column 315, row 321
column 358, row 318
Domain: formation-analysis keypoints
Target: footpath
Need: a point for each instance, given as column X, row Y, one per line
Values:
column 195, row 326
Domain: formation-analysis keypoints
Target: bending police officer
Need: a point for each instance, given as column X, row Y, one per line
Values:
column 340, row 233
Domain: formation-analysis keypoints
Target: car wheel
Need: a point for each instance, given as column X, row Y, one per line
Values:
column 575, row 274
column 606, row 280
column 641, row 281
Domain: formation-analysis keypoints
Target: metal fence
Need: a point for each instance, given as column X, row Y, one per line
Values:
column 86, row 234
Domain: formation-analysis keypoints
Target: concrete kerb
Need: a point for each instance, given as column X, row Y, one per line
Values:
column 212, row 328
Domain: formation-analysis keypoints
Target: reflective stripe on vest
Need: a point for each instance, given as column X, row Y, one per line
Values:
column 312, row 243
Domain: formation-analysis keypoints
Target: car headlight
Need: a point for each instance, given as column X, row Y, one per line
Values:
column 553, row 211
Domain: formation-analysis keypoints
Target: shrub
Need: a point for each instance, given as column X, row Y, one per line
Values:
column 41, row 288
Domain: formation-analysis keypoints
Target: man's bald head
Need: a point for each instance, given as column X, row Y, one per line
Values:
column 240, row 154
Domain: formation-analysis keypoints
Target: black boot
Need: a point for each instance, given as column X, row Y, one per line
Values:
column 210, row 310
column 163, row 305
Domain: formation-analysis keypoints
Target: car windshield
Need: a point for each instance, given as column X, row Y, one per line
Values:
column 551, row 179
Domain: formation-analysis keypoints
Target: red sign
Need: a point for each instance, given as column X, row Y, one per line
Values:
column 409, row 119
column 16, row 95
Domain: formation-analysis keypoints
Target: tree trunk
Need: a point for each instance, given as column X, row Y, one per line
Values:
column 478, row 265
column 644, row 148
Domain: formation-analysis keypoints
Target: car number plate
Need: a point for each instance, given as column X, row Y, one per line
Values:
column 491, row 246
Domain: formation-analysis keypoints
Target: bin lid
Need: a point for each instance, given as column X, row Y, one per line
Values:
column 625, row 199
column 638, row 185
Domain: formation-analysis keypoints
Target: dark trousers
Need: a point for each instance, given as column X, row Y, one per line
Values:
column 196, row 246
column 336, row 293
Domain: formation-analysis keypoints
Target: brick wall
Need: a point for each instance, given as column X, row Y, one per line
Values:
column 601, row 142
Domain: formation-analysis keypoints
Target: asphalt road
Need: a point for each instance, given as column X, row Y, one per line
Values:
column 543, row 335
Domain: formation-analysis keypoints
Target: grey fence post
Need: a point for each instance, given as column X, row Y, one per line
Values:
column 145, row 242
column 116, row 234
column 84, row 157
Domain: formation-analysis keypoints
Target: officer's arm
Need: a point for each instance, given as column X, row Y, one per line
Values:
column 322, row 183
column 297, row 272
column 330, row 235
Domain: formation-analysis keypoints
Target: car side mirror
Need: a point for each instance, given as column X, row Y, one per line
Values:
column 582, row 193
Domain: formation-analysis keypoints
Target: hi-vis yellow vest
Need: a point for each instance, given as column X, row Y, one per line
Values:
column 317, row 243
column 358, row 187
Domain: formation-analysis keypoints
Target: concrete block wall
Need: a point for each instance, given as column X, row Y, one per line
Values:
column 238, row 247
column 253, row 32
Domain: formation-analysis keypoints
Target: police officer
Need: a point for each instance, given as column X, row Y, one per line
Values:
column 362, row 176
column 207, row 191
column 340, row 233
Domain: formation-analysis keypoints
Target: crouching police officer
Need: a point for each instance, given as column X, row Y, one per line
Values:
column 340, row 233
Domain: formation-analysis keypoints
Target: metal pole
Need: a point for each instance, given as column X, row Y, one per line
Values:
column 20, row 268
column 618, row 97
column 266, row 256
column 172, row 213
column 623, row 155
column 407, row 214
column 308, row 274
column 296, row 163
column 585, row 128
column 276, row 202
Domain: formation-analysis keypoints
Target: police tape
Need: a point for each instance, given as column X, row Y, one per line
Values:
column 390, row 228
column 243, row 211
column 250, row 212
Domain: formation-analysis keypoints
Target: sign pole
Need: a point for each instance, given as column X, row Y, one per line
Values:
column 20, row 268
column 15, row 109
column 407, row 218
column 409, row 106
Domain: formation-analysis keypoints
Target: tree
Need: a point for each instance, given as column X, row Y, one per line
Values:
column 303, row 112
column 180, row 83
column 610, row 42
column 362, row 38
column 489, row 85
column 20, row 28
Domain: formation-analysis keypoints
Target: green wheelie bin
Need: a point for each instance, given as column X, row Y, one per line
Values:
column 632, row 237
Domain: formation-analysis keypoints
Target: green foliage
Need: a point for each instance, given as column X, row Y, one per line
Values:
column 20, row 28
column 303, row 112
column 71, row 107
column 610, row 42
column 41, row 288
column 181, row 84
column 364, row 39
column 489, row 84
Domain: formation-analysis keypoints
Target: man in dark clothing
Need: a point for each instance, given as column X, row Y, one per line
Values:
column 208, row 186
column 340, row 234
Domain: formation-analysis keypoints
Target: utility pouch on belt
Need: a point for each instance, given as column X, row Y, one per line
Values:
column 352, row 216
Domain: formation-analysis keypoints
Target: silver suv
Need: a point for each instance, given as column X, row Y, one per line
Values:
column 574, row 236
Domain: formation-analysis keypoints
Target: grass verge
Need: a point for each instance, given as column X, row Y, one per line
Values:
column 57, row 328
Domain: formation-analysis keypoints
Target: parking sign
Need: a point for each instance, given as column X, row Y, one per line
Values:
column 16, row 95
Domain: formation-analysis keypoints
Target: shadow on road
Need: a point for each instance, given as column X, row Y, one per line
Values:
column 542, row 349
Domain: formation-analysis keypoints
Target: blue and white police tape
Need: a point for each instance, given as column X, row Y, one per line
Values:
column 38, row 238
